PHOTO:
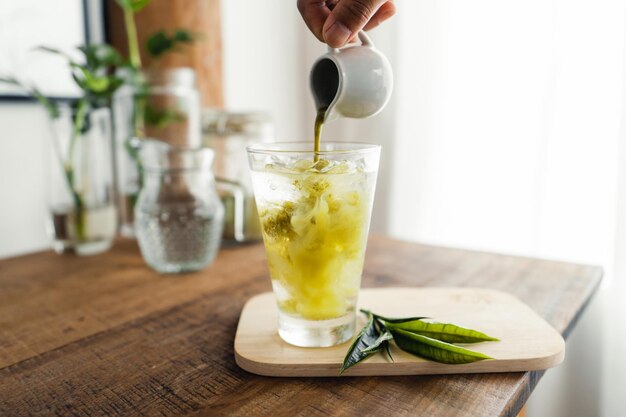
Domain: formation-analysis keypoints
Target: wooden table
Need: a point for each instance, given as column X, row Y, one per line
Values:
column 104, row 335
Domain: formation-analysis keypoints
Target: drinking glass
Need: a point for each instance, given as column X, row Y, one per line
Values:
column 315, row 210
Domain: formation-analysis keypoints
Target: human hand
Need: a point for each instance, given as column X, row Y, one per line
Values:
column 336, row 22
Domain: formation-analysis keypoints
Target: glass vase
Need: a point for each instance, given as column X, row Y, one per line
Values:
column 83, row 215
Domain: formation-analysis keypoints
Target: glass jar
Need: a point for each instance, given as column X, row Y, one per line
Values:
column 229, row 134
column 178, row 215
column 83, row 216
column 164, row 105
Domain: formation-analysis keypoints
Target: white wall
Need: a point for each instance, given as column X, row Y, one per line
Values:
column 23, row 131
column 508, row 139
column 508, row 136
column 263, row 63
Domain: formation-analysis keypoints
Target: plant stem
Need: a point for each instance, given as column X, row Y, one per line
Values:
column 139, row 101
column 79, row 123
column 133, row 44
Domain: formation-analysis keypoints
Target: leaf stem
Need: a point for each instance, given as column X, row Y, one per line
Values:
column 79, row 124
column 133, row 44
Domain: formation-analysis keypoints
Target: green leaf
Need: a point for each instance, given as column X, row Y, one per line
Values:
column 95, row 77
column 50, row 106
column 12, row 81
column 395, row 320
column 434, row 349
column 90, row 81
column 369, row 341
column 133, row 5
column 181, row 35
column 101, row 56
column 56, row 52
column 114, row 83
column 377, row 346
column 161, row 118
column 160, row 43
column 53, row 51
column 98, row 84
column 441, row 331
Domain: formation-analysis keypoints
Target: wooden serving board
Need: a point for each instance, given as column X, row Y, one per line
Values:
column 526, row 343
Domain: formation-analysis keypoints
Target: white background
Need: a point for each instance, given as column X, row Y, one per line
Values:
column 505, row 134
column 26, row 25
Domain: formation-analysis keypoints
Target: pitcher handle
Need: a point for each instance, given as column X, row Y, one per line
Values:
column 237, row 191
column 365, row 41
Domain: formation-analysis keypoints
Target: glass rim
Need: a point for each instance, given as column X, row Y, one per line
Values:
column 307, row 148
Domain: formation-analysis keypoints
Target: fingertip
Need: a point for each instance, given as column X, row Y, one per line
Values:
column 389, row 9
column 385, row 12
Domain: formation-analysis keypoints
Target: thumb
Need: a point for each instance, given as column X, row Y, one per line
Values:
column 347, row 18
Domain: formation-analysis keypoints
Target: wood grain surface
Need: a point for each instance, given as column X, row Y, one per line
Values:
column 526, row 342
column 104, row 335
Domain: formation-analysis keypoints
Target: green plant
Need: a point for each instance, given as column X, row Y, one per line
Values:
column 143, row 114
column 156, row 46
column 96, row 79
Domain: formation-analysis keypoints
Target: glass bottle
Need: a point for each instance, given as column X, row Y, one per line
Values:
column 229, row 134
column 163, row 104
column 178, row 215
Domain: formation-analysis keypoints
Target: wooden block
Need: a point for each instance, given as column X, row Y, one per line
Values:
column 197, row 16
column 526, row 343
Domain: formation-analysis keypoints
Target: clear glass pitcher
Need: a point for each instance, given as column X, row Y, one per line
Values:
column 178, row 216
